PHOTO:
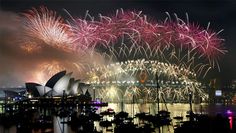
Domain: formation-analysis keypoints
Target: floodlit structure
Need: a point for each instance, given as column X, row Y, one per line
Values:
column 137, row 79
column 58, row 85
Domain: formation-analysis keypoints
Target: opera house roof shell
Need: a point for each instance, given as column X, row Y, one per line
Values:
column 58, row 84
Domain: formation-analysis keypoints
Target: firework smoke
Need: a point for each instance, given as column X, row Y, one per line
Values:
column 26, row 61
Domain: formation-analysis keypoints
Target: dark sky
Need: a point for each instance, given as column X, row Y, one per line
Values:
column 221, row 14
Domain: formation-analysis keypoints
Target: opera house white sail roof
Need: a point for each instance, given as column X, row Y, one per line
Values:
column 57, row 85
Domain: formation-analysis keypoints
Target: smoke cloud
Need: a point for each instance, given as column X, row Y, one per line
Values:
column 19, row 64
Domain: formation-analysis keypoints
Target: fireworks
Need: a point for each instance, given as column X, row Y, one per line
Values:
column 52, row 67
column 176, row 81
column 30, row 47
column 45, row 25
column 47, row 69
column 135, row 30
column 111, row 94
column 178, row 52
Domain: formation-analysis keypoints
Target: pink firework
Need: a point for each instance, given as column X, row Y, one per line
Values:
column 197, row 39
column 86, row 33
column 172, row 33
column 89, row 33
column 45, row 25
column 141, row 29
column 132, row 26
column 110, row 29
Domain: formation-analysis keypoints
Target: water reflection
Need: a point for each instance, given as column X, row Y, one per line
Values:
column 151, row 108
column 177, row 109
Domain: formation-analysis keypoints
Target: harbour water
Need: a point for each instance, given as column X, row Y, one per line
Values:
column 178, row 109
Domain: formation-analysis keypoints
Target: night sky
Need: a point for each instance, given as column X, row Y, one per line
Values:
column 221, row 15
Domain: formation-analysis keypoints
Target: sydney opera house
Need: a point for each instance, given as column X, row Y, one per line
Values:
column 59, row 84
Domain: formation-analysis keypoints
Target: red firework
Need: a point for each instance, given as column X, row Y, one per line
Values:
column 195, row 38
column 45, row 25
column 86, row 33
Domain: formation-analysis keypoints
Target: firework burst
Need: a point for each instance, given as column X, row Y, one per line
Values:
column 30, row 47
column 178, row 51
column 51, row 68
column 46, row 25
column 176, row 81
column 137, row 30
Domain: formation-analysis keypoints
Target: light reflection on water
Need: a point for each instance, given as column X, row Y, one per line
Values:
column 178, row 109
